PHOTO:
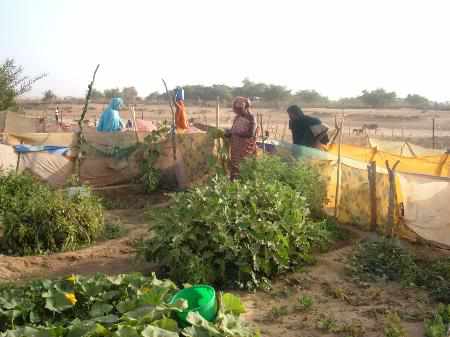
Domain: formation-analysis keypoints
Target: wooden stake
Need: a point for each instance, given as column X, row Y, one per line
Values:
column 434, row 138
column 173, row 131
column 392, row 197
column 372, row 173
column 133, row 114
column 217, row 111
column 338, row 170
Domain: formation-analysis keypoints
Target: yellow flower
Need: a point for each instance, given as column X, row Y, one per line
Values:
column 145, row 290
column 72, row 278
column 71, row 298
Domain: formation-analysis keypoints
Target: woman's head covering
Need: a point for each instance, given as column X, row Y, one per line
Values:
column 295, row 112
column 241, row 104
column 116, row 103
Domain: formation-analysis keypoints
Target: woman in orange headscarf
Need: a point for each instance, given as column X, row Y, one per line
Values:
column 242, row 133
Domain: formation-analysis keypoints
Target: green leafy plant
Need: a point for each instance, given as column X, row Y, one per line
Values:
column 384, row 258
column 37, row 219
column 304, row 303
column 238, row 234
column 387, row 259
column 439, row 325
column 150, row 175
column 299, row 175
column 393, row 326
column 122, row 305
column 435, row 276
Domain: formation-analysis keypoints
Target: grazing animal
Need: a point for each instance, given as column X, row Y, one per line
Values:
column 358, row 132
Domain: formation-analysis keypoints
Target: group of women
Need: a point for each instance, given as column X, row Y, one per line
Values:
column 306, row 130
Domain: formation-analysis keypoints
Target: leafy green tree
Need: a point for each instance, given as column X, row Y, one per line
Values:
column 154, row 96
column 48, row 96
column 417, row 101
column 378, row 98
column 13, row 83
column 110, row 93
column 311, row 97
column 129, row 94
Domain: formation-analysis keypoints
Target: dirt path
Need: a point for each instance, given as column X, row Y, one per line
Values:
column 340, row 306
column 111, row 257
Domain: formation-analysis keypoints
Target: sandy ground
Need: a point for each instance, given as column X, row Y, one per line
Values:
column 340, row 306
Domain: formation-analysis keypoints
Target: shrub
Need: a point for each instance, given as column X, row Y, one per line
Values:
column 298, row 175
column 436, row 277
column 386, row 259
column 232, row 234
column 37, row 219
column 439, row 325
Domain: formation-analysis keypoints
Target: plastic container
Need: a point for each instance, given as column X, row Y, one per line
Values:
column 201, row 299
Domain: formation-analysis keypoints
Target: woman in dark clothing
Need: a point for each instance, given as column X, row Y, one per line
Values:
column 306, row 130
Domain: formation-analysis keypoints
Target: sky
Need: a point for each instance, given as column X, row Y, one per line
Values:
column 338, row 48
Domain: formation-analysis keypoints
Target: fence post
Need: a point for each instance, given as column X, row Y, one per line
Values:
column 372, row 173
column 392, row 196
column 434, row 138
column 217, row 111
column 338, row 178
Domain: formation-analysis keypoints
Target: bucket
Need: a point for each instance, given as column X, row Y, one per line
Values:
column 201, row 299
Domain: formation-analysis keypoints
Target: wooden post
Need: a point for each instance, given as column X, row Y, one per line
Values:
column 372, row 172
column 18, row 159
column 434, row 138
column 217, row 111
column 133, row 113
column 262, row 132
column 338, row 170
column 392, row 197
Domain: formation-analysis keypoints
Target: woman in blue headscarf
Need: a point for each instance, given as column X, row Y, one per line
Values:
column 110, row 119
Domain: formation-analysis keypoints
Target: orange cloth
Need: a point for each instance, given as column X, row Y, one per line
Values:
column 181, row 121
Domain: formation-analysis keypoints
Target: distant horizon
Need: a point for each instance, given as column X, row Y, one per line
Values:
column 336, row 48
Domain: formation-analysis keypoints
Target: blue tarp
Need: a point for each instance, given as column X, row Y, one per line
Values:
column 42, row 148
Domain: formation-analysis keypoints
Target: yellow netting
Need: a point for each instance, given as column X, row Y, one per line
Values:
column 437, row 165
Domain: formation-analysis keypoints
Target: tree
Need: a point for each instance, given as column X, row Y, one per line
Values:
column 378, row 98
column 13, row 83
column 110, row 93
column 129, row 94
column 48, row 96
column 310, row 97
column 417, row 101
column 153, row 97
column 96, row 94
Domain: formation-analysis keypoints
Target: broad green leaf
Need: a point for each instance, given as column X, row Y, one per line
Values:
column 57, row 301
column 126, row 306
column 100, row 330
column 126, row 331
column 82, row 329
column 140, row 313
column 197, row 320
column 232, row 304
column 167, row 324
column 153, row 331
column 100, row 309
column 108, row 319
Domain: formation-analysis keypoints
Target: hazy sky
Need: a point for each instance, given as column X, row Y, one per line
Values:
column 336, row 47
